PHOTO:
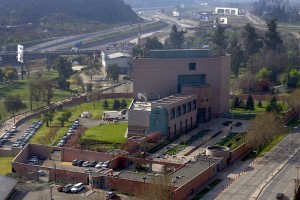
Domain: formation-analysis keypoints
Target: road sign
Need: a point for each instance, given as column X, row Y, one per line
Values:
column 20, row 53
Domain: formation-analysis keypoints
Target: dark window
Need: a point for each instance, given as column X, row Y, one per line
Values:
column 172, row 113
column 184, row 108
column 178, row 111
column 189, row 106
column 194, row 104
column 192, row 66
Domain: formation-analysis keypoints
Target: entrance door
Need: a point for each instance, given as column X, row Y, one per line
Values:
column 201, row 113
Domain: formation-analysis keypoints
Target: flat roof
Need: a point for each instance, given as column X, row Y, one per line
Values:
column 181, row 53
column 7, row 185
column 141, row 105
column 173, row 99
column 118, row 55
column 182, row 175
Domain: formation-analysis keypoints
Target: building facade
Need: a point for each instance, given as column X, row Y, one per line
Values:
column 171, row 80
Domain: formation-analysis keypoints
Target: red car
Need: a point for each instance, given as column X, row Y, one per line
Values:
column 60, row 188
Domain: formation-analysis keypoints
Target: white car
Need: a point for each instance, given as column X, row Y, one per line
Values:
column 77, row 187
column 99, row 165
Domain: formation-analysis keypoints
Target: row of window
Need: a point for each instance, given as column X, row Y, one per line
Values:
column 183, row 109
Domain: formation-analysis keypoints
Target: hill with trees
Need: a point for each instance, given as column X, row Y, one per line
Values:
column 14, row 12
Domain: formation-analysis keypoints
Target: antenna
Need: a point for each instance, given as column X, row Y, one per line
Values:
column 139, row 32
column 142, row 97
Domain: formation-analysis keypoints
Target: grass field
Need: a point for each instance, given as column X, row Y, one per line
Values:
column 5, row 165
column 96, row 108
column 113, row 133
column 21, row 87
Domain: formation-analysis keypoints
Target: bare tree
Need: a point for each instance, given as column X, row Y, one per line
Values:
column 264, row 128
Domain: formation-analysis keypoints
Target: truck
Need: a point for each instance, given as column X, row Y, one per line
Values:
column 112, row 115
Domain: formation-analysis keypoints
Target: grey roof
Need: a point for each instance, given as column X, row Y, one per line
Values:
column 6, row 186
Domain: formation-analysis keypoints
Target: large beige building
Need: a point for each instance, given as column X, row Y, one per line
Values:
column 180, row 77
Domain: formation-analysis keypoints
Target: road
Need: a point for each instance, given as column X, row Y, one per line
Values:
column 265, row 172
column 284, row 181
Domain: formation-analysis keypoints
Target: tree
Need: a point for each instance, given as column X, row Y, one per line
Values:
column 153, row 43
column 259, row 104
column 272, row 39
column 237, row 56
column 66, row 115
column 13, row 104
column 236, row 102
column 251, row 40
column 77, row 80
column 262, row 129
column 249, row 103
column 123, row 103
column 176, row 37
column 92, row 69
column 48, row 117
column 2, row 75
column 105, row 104
column 40, row 88
column 113, row 72
column 64, row 67
column 248, row 82
column 116, row 104
column 89, row 87
column 273, row 106
column 219, row 39
column 264, row 74
column 11, row 73
column 63, row 83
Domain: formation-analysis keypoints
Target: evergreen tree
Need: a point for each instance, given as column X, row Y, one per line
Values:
column 236, row 55
column 273, row 106
column 176, row 37
column 236, row 102
column 220, row 39
column 105, row 104
column 249, row 103
column 251, row 40
column 123, row 103
column 272, row 39
column 116, row 104
column 259, row 104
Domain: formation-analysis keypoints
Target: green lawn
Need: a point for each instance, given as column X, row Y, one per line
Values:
column 113, row 133
column 232, row 141
column 5, row 166
column 270, row 146
column 21, row 87
column 96, row 108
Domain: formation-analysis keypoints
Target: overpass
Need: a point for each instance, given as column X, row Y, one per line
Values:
column 10, row 56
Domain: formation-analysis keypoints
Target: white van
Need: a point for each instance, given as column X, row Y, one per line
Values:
column 77, row 187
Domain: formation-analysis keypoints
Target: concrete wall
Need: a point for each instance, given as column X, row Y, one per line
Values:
column 164, row 77
column 68, row 154
column 68, row 176
column 10, row 152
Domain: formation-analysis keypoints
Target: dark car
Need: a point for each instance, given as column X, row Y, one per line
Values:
column 79, row 163
column 74, row 162
column 280, row 196
column 93, row 163
column 111, row 195
column 39, row 157
column 67, row 188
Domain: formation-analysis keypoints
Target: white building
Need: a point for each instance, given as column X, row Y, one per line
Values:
column 121, row 59
column 226, row 11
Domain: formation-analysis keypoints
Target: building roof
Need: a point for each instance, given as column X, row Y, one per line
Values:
column 141, row 105
column 118, row 55
column 7, row 185
column 181, row 53
column 173, row 99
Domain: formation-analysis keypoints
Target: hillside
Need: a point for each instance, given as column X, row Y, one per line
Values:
column 14, row 12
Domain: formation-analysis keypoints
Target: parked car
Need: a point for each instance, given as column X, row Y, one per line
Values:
column 99, row 164
column 59, row 188
column 74, row 162
column 67, row 188
column 111, row 195
column 32, row 161
column 105, row 164
column 86, row 164
column 77, row 187
column 93, row 164
column 41, row 173
column 79, row 163
column 39, row 157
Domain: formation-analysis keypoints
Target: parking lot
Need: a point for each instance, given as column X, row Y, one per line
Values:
column 30, row 191
column 18, row 137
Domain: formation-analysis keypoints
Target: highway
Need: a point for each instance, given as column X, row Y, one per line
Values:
column 259, row 181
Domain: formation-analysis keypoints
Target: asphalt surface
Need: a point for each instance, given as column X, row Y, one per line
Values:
column 264, row 172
